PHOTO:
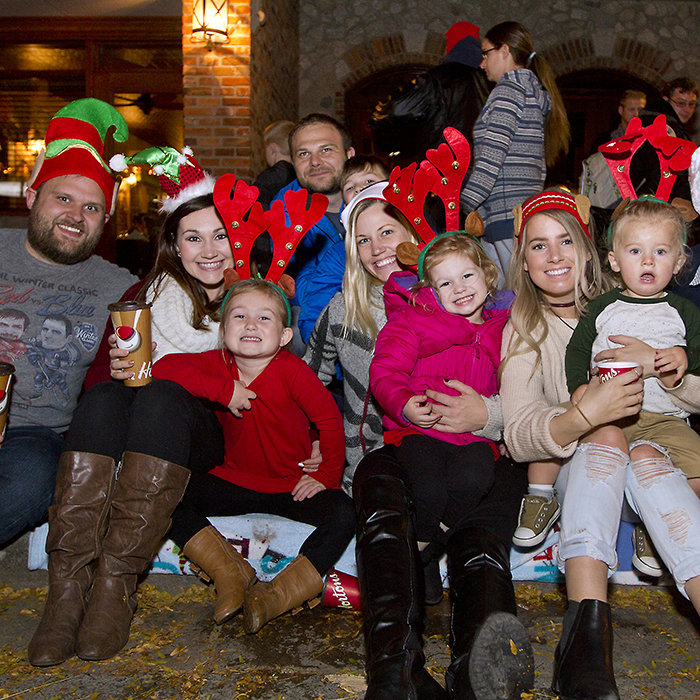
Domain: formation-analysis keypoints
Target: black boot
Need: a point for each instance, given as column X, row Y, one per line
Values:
column 492, row 658
column 389, row 571
column 583, row 667
column 430, row 559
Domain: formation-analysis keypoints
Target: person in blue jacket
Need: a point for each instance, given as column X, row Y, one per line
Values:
column 319, row 147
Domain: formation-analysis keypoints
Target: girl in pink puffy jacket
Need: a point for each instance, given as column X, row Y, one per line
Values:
column 444, row 325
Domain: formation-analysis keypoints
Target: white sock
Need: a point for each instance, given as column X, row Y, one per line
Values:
column 545, row 490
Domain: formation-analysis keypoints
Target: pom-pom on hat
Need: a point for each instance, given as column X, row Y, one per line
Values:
column 179, row 174
column 75, row 146
column 579, row 206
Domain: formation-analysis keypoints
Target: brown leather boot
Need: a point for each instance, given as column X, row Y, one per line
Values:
column 146, row 493
column 231, row 573
column 295, row 584
column 77, row 523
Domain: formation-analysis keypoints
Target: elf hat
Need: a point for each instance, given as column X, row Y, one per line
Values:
column 75, row 146
column 179, row 174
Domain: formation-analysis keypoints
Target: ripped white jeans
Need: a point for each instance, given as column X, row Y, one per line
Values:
column 599, row 477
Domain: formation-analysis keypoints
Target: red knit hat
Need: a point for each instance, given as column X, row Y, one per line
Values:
column 578, row 206
column 75, row 146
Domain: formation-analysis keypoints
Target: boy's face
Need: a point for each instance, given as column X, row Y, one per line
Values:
column 646, row 254
column 254, row 329
column 358, row 181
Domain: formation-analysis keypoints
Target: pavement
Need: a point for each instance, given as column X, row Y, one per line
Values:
column 177, row 651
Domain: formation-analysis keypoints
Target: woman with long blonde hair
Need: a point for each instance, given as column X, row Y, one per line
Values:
column 389, row 565
column 555, row 270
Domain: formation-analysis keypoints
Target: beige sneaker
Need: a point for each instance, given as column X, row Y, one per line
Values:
column 537, row 516
column 645, row 558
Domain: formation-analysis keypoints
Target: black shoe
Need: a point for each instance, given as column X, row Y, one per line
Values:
column 583, row 667
column 433, row 583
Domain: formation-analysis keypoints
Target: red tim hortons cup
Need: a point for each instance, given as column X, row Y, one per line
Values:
column 132, row 328
column 608, row 369
column 6, row 373
column 341, row 591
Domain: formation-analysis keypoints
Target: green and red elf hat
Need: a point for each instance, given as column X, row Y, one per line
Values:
column 75, row 146
column 179, row 174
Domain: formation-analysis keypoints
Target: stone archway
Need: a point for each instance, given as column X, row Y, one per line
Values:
column 591, row 73
column 386, row 52
column 611, row 53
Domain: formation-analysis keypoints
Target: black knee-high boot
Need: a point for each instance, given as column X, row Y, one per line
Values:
column 492, row 658
column 390, row 572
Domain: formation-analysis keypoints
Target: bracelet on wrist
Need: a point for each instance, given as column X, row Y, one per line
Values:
column 583, row 415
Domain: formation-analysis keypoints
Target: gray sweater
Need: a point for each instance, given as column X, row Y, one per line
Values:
column 327, row 348
column 509, row 162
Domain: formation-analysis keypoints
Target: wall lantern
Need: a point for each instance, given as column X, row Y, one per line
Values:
column 210, row 22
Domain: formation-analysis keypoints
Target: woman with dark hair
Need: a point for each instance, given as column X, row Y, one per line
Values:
column 128, row 452
column 522, row 129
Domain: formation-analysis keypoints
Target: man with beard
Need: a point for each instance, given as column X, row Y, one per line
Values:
column 319, row 146
column 49, row 275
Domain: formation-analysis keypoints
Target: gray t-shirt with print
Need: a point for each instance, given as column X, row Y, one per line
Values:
column 52, row 318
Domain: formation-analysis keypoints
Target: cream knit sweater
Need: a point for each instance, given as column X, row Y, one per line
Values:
column 532, row 393
column 171, row 323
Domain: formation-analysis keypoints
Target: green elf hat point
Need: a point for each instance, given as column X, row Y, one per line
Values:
column 180, row 175
column 75, row 146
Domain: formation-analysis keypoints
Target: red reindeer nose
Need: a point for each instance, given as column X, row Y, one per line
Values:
column 125, row 332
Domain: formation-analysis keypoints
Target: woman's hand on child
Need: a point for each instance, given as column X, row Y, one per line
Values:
column 240, row 401
column 312, row 463
column 671, row 364
column 464, row 413
column 632, row 350
column 306, row 487
column 120, row 368
column 419, row 411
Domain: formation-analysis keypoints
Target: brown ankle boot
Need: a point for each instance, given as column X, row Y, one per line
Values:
column 146, row 493
column 77, row 523
column 295, row 584
column 231, row 573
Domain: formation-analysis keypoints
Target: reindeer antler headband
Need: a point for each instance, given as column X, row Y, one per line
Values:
column 674, row 154
column 442, row 173
column 245, row 220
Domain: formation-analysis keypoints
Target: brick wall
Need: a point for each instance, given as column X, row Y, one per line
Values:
column 274, row 72
column 216, row 86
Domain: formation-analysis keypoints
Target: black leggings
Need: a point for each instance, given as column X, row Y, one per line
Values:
column 331, row 512
column 446, row 480
column 161, row 419
column 497, row 512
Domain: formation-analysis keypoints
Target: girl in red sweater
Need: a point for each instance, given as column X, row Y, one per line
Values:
column 268, row 400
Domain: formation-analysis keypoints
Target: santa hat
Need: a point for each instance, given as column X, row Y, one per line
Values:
column 75, row 146
column 179, row 174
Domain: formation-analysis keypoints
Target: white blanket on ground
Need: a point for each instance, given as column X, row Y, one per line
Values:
column 270, row 542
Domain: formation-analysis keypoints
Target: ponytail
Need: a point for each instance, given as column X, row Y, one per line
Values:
column 557, row 132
